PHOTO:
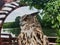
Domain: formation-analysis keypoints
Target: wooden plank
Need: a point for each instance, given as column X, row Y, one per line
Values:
column 2, row 18
column 3, row 13
column 10, row 7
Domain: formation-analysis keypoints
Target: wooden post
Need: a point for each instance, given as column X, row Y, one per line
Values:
column 1, row 4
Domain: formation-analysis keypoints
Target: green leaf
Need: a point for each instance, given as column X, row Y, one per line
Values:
column 58, row 17
column 52, row 21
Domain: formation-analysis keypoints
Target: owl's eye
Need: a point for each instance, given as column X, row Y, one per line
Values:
column 33, row 25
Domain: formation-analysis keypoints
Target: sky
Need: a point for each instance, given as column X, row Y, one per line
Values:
column 20, row 12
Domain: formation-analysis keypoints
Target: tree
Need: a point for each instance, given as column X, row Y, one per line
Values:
column 14, row 25
column 51, row 11
column 17, row 21
column 16, row 30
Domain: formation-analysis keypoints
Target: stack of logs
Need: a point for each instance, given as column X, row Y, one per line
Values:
column 31, row 32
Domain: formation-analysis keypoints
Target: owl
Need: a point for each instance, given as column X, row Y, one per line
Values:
column 31, row 31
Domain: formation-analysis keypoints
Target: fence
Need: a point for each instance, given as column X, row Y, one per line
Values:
column 8, row 40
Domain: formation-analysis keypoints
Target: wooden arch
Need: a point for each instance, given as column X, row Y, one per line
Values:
column 6, row 10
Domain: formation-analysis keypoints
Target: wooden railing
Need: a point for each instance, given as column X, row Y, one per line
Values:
column 6, row 10
column 9, row 40
column 52, row 40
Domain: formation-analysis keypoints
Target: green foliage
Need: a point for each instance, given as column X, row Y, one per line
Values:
column 58, row 18
column 9, row 25
column 48, row 31
column 39, row 4
column 38, row 18
column 17, row 21
column 58, row 44
column 15, row 31
column 14, row 25
column 51, row 11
